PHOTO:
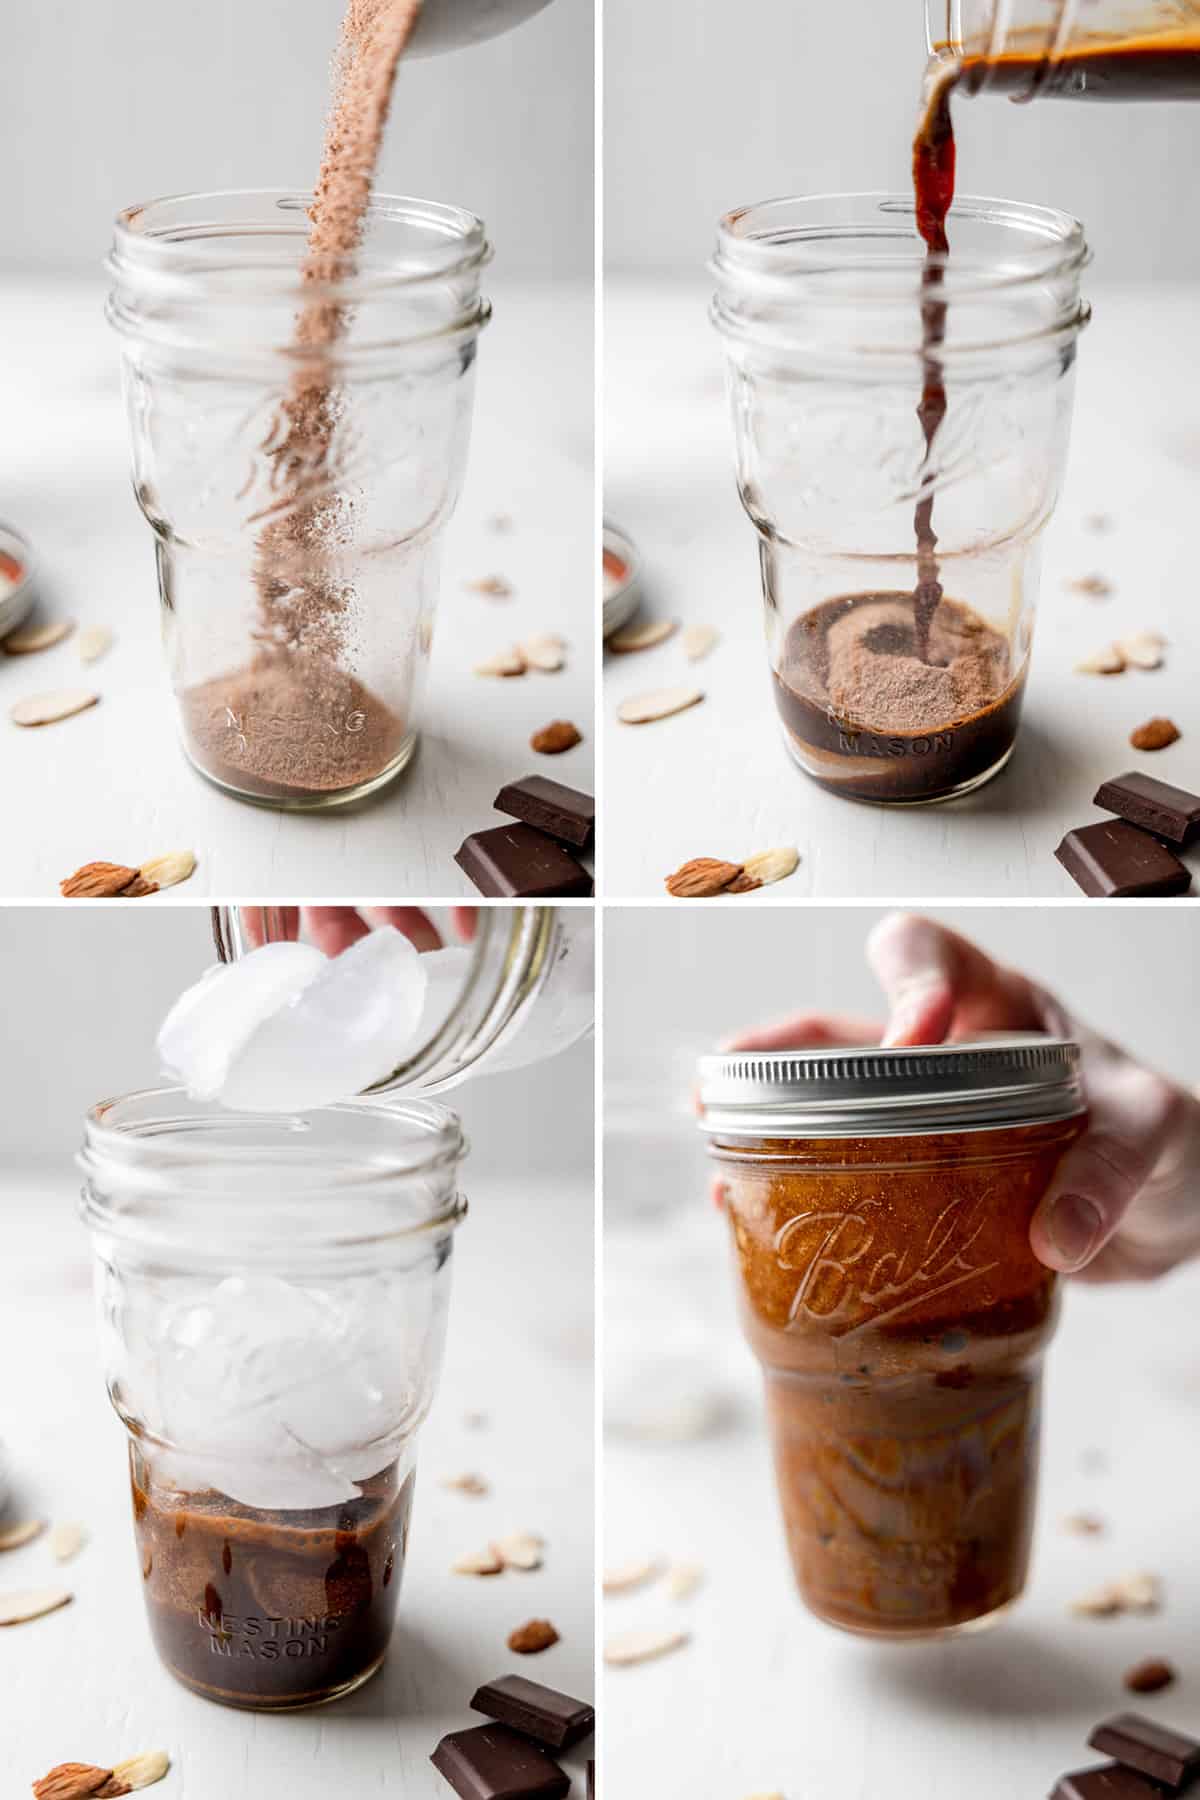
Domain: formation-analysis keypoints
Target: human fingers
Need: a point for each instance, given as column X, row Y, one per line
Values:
column 939, row 985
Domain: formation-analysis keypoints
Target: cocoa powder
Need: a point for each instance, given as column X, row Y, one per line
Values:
column 876, row 672
column 294, row 721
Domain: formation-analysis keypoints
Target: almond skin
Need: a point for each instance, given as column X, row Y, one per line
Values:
column 97, row 881
column 71, row 1781
column 1149, row 1676
column 528, row 1639
column 701, row 878
column 556, row 737
column 1155, row 734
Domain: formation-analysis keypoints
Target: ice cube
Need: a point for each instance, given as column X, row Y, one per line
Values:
column 445, row 977
column 344, row 1030
column 211, row 1020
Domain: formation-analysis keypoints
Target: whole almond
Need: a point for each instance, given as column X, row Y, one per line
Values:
column 519, row 1550
column 761, row 870
column 528, row 1639
column 508, row 662
column 71, row 1781
column 698, row 640
column 66, row 1541
column 556, row 737
column 27, row 639
column 1144, row 650
column 169, row 870
column 641, row 637
column 641, row 1646
column 94, row 642
column 31, row 1603
column 47, row 709
column 135, row 1773
column 545, row 652
column 13, row 1536
column 701, row 878
column 1149, row 1677
column 643, row 709
column 625, row 1576
column 478, row 1562
column 1108, row 661
column 97, row 881
column 1155, row 734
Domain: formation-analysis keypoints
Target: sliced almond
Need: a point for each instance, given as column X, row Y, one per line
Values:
column 27, row 639
column 1139, row 1592
column 625, row 1576
column 773, row 1795
column 478, row 1562
column 1155, row 734
column 1097, row 587
column 494, row 586
column 683, row 1579
column 66, row 1541
column 13, row 1536
column 169, row 870
column 1108, row 661
column 642, row 709
column 474, row 1485
column 31, row 1603
column 641, row 1646
column 47, row 709
column 701, row 878
column 135, row 1773
column 1083, row 1524
column 641, row 637
column 1144, row 650
column 761, row 870
column 698, row 640
column 544, row 651
column 519, row 1550
column 94, row 642
column 1098, row 1603
column 508, row 662
column 98, row 881
column 72, row 1781
column 535, row 1635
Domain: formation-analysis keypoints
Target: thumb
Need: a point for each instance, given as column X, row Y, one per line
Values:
column 939, row 984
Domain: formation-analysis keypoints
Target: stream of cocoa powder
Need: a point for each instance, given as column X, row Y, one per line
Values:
column 294, row 720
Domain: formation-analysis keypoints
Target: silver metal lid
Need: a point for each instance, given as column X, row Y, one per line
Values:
column 982, row 1085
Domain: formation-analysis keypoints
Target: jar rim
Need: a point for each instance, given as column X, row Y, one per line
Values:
column 179, row 244
column 155, row 1149
column 993, row 1082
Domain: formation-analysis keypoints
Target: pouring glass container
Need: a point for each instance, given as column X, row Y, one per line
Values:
column 297, row 497
column 819, row 305
column 1071, row 49
column 879, row 1204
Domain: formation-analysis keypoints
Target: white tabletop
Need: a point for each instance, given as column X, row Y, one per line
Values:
column 112, row 784
column 764, row 1699
column 716, row 781
column 83, row 1684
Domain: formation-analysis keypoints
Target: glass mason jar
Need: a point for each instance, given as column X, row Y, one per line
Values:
column 1071, row 49
column 880, row 1203
column 522, row 990
column 272, row 1298
column 819, row 303
column 297, row 495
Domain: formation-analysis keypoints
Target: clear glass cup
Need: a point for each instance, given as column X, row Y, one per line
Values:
column 1071, row 49
column 819, row 304
column 272, row 1296
column 879, row 1205
column 297, row 496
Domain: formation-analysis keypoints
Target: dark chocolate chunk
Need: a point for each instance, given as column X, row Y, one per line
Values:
column 538, row 1711
column 1115, row 861
column 1108, row 1782
column 591, row 1786
column 490, row 1762
column 1151, row 1749
column 517, row 862
column 562, row 811
column 1169, row 812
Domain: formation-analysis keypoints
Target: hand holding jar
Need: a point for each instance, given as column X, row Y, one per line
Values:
column 1124, row 1203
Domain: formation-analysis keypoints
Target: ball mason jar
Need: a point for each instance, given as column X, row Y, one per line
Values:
column 298, row 495
column 819, row 304
column 1070, row 49
column 879, row 1203
column 522, row 990
column 272, row 1297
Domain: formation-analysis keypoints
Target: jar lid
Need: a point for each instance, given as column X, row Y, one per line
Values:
column 980, row 1085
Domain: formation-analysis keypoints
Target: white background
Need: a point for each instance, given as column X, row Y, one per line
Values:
column 711, row 107
column 84, row 989
column 773, row 1700
column 108, row 105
